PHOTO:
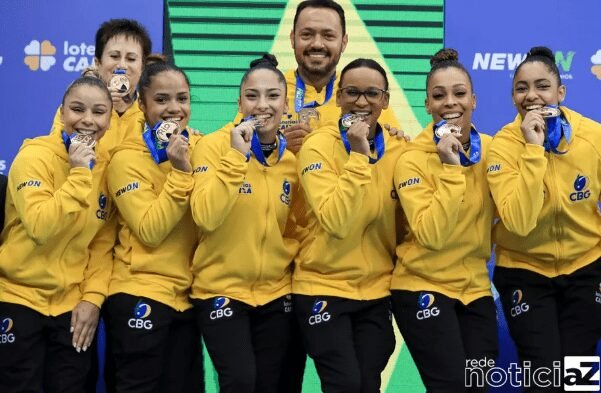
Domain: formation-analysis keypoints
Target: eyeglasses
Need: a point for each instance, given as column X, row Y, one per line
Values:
column 372, row 95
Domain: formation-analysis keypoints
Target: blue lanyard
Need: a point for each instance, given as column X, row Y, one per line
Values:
column 67, row 142
column 157, row 148
column 557, row 127
column 378, row 142
column 255, row 147
column 299, row 96
column 475, row 146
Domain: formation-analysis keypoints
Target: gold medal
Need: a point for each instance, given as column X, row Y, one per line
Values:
column 83, row 139
column 306, row 114
column 166, row 129
column 120, row 82
column 549, row 111
column 448, row 129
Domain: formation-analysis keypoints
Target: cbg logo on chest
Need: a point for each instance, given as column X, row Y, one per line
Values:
column 101, row 213
column 580, row 187
column 141, row 313
column 285, row 196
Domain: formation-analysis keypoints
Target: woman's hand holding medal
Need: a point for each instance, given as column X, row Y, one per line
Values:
column 81, row 154
column 449, row 148
column 119, row 87
column 295, row 135
column 357, row 136
column 242, row 134
column 533, row 127
column 178, row 152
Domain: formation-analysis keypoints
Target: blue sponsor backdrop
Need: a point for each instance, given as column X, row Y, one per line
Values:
column 492, row 37
column 43, row 46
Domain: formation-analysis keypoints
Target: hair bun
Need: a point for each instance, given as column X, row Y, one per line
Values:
column 541, row 51
column 267, row 58
column 154, row 58
column 444, row 55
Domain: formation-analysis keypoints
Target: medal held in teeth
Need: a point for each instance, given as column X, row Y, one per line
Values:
column 119, row 81
column 349, row 119
column 165, row 130
column 550, row 111
column 448, row 129
column 83, row 139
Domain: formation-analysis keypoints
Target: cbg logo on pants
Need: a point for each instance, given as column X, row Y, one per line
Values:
column 518, row 306
column 141, row 312
column 6, row 337
column 318, row 313
column 424, row 302
column 220, row 308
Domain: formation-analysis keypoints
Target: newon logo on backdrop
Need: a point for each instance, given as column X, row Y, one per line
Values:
column 43, row 55
column 508, row 61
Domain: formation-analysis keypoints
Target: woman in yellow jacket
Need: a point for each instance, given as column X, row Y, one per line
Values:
column 245, row 182
column 441, row 293
column 151, row 327
column 341, row 280
column 121, row 49
column 544, row 171
column 56, row 249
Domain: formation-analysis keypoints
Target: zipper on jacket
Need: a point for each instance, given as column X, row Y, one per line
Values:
column 262, row 248
column 556, row 210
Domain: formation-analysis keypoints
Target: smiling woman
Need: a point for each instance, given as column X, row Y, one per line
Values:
column 56, row 248
column 341, row 281
column 546, row 181
column 150, row 180
column 245, row 187
column 441, row 293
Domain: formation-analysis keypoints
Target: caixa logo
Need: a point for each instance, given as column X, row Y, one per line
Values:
column 319, row 313
column 518, row 306
column 581, row 192
column 424, row 303
column 6, row 337
column 221, row 309
column 141, row 312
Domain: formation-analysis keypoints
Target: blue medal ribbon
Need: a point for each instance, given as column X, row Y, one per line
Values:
column 299, row 96
column 378, row 141
column 67, row 142
column 475, row 146
column 255, row 145
column 257, row 151
column 157, row 148
column 557, row 127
